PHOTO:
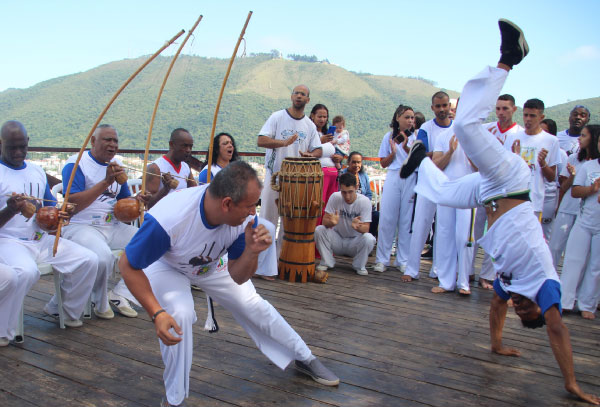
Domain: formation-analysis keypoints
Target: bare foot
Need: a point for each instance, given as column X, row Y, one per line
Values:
column 438, row 290
column 510, row 303
column 587, row 315
column 486, row 284
column 268, row 278
column 462, row 291
column 506, row 351
column 406, row 279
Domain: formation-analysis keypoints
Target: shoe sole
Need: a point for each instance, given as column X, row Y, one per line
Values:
column 127, row 313
column 521, row 41
column 410, row 153
column 317, row 379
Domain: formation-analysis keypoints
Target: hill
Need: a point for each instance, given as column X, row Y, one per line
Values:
column 59, row 112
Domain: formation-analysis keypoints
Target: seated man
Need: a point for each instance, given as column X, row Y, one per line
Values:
column 94, row 226
column 23, row 244
column 345, row 228
column 514, row 239
column 173, row 170
column 180, row 243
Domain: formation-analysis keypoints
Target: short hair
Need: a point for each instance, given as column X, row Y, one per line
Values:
column 534, row 104
column 348, row 180
column 232, row 181
column 552, row 127
column 307, row 90
column 534, row 323
column 508, row 98
column 419, row 119
column 338, row 119
column 104, row 126
column 362, row 169
column 591, row 152
column 581, row 107
column 439, row 94
column 176, row 133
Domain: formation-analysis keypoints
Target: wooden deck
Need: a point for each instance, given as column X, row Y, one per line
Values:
column 392, row 344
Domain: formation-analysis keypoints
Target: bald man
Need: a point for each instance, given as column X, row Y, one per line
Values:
column 171, row 166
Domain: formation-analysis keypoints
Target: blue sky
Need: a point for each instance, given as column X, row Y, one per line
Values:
column 443, row 41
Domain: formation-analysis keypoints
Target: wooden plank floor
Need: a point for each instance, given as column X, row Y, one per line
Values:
column 392, row 344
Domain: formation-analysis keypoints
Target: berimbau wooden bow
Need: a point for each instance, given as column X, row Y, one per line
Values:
column 162, row 87
column 85, row 143
column 214, row 123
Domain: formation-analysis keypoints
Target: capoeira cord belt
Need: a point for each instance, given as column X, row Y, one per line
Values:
column 491, row 202
column 211, row 322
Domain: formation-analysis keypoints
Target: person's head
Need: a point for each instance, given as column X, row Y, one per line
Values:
column 237, row 188
column 533, row 114
column 403, row 119
column 419, row 120
column 505, row 108
column 529, row 312
column 549, row 126
column 320, row 116
column 13, row 143
column 224, row 148
column 300, row 97
column 578, row 118
column 180, row 145
column 105, row 143
column 453, row 107
column 348, row 187
column 339, row 122
column 440, row 105
column 589, row 143
column 355, row 162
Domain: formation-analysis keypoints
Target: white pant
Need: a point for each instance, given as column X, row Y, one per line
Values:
column 395, row 217
column 561, row 229
column 454, row 257
column 424, row 213
column 272, row 334
column 583, row 247
column 548, row 212
column 14, row 285
column 268, row 208
column 77, row 264
column 267, row 259
column 329, row 242
column 487, row 269
column 101, row 240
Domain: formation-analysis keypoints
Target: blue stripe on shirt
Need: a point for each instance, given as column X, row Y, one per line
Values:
column 50, row 200
column 422, row 135
column 148, row 245
column 237, row 247
column 78, row 182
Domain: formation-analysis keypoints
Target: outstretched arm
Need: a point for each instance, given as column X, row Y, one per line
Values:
column 560, row 341
column 498, row 310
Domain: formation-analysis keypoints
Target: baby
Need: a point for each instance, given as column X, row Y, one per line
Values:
column 341, row 138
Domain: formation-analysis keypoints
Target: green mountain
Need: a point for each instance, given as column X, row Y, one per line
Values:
column 59, row 112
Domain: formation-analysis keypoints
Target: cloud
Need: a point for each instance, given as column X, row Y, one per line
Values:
column 582, row 53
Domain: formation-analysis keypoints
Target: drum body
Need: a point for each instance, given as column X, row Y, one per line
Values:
column 300, row 186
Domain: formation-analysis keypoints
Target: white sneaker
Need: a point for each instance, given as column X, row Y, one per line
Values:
column 362, row 272
column 108, row 314
column 72, row 323
column 401, row 268
column 4, row 342
column 121, row 305
column 379, row 267
column 321, row 268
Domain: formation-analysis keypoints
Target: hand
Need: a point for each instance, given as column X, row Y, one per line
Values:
column 326, row 138
column 393, row 146
column 356, row 223
column 571, row 169
column 505, row 351
column 66, row 214
column 453, row 143
column 290, row 140
column 596, row 186
column 16, row 203
column 516, row 147
column 257, row 239
column 337, row 158
column 163, row 323
column 334, row 217
column 166, row 179
column 542, row 157
column 305, row 154
column 144, row 198
column 112, row 170
column 576, row 390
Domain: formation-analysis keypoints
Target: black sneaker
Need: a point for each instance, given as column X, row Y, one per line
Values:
column 513, row 47
column 318, row 372
column 416, row 154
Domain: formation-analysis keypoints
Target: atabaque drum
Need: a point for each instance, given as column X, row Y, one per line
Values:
column 300, row 186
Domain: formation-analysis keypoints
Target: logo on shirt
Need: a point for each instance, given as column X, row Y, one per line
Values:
column 528, row 154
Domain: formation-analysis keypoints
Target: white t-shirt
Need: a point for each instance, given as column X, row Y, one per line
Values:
column 281, row 126
column 567, row 142
column 590, row 208
column 328, row 151
column 551, row 187
column 459, row 165
column 360, row 207
column 214, row 170
column 165, row 165
column 342, row 141
column 501, row 133
column 530, row 147
column 569, row 204
column 89, row 173
column 385, row 150
column 28, row 179
column 429, row 131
